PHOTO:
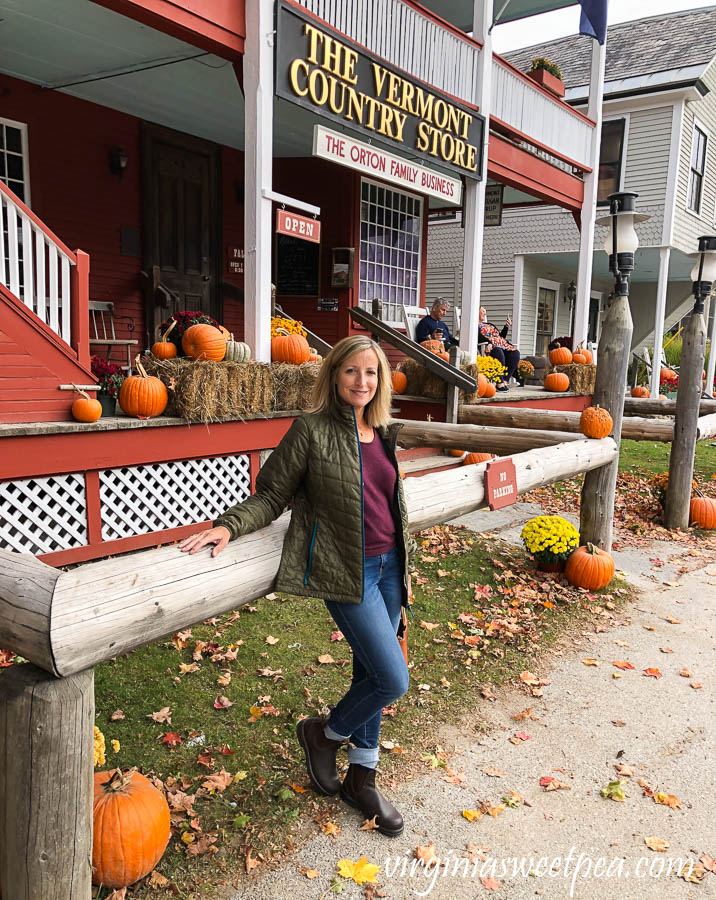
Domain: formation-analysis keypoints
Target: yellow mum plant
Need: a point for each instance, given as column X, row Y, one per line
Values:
column 550, row 538
column 491, row 368
column 99, row 748
column 290, row 325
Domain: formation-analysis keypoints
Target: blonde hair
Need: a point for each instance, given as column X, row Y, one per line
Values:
column 325, row 396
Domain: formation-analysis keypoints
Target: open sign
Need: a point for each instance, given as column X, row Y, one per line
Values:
column 298, row 226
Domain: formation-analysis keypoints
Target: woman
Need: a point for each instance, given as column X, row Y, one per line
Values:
column 499, row 347
column 347, row 543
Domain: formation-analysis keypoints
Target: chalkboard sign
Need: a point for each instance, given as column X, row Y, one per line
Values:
column 297, row 264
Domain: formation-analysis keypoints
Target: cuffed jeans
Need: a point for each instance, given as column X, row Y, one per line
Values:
column 380, row 674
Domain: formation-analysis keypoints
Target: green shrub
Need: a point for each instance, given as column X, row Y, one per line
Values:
column 541, row 62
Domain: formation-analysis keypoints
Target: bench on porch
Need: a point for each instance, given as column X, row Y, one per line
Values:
column 102, row 331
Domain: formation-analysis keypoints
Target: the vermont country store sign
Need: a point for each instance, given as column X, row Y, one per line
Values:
column 333, row 77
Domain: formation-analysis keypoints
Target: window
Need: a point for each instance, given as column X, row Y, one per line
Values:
column 13, row 158
column 390, row 241
column 611, row 151
column 547, row 297
column 698, row 168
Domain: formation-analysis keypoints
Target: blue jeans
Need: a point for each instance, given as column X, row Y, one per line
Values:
column 380, row 674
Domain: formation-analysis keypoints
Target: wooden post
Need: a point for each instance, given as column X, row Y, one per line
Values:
column 79, row 307
column 453, row 394
column 681, row 462
column 46, row 785
column 597, row 507
column 377, row 311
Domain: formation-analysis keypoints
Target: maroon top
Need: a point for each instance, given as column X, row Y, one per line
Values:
column 378, row 491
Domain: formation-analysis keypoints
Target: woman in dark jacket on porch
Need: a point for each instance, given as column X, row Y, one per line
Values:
column 347, row 543
column 498, row 346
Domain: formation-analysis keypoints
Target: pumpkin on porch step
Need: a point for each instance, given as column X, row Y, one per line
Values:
column 490, row 390
column 237, row 351
column 640, row 391
column 84, row 408
column 202, row 342
column 482, row 383
column 556, row 381
column 473, row 458
column 164, row 349
column 143, row 395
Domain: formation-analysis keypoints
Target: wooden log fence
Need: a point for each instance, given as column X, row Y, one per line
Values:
column 479, row 438
column 648, row 407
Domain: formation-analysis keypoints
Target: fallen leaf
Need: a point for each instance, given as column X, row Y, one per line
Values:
column 118, row 895
column 325, row 658
column 429, row 626
column 250, row 863
column 673, row 620
column 692, row 873
column 222, row 703
column 652, row 673
column 525, row 714
column 337, row 636
column 164, row 715
column 475, row 852
column 331, row 829
column 666, row 649
column 494, row 773
column 696, row 685
column 521, row 735
column 205, row 759
column 657, row 844
column 686, row 672
column 186, row 668
column 360, row 871
column 623, row 769
column 309, row 873
column 591, row 661
column 708, row 862
column 270, row 639
column 157, row 880
column 369, row 824
column 528, row 678
column 217, row 781
column 171, row 739
column 490, row 884
column 224, row 679
column 117, row 715
column 667, row 800
column 425, row 854
column 622, row 664
column 613, row 791
column 618, row 723
column 471, row 814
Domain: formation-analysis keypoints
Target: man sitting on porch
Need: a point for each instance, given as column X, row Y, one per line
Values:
column 432, row 328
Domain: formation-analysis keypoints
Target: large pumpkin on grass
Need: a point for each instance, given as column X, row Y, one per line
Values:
column 143, row 395
column 399, row 382
column 290, row 348
column 202, row 342
column 589, row 567
column 556, row 381
column 131, row 828
column 595, row 422
column 560, row 356
column 473, row 458
column 640, row 391
column 702, row 512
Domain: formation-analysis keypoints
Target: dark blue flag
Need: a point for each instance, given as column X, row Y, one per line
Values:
column 593, row 20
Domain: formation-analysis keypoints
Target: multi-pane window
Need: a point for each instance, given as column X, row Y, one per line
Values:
column 698, row 168
column 13, row 157
column 611, row 150
column 390, row 239
column 546, row 303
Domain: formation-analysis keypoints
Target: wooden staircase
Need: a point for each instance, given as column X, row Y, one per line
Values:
column 424, row 460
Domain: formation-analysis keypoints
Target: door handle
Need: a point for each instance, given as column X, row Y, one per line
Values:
column 206, row 277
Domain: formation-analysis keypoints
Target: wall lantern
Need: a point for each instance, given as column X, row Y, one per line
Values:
column 570, row 294
column 118, row 159
column 622, row 240
column 703, row 273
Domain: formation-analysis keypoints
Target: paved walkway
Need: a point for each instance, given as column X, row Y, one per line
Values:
column 587, row 722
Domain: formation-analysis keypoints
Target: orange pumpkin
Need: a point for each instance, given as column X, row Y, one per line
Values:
column 202, row 342
column 482, row 383
column 84, row 408
column 131, row 828
column 560, row 356
column 556, row 381
column 640, row 391
column 579, row 358
column 663, row 397
column 402, row 472
column 666, row 374
column 473, row 458
column 226, row 333
column 595, row 422
column 456, row 453
column 433, row 346
column 702, row 512
column 290, row 348
column 589, row 567
column 399, row 381
column 586, row 353
column 164, row 349
column 490, row 390
column 143, row 395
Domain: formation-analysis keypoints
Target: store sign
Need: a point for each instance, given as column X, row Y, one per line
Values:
column 298, row 226
column 493, row 204
column 234, row 259
column 500, row 483
column 370, row 160
column 325, row 72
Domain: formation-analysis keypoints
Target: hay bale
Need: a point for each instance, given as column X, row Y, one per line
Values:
column 581, row 377
column 423, row 383
column 308, row 374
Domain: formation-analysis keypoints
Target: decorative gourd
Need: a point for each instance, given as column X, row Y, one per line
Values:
column 164, row 349
column 202, row 342
column 702, row 512
column 579, row 358
column 143, row 395
column 595, row 422
column 482, row 383
column 237, row 351
column 84, row 408
column 290, row 348
column 560, row 356
column 131, row 827
column 556, row 381
column 490, row 390
column 589, row 567
column 473, row 458
column 640, row 391
column 584, row 352
column 399, row 382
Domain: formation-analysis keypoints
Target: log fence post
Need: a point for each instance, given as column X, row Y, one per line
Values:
column 453, row 392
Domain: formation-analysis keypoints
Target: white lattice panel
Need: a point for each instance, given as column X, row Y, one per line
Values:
column 42, row 515
column 144, row 499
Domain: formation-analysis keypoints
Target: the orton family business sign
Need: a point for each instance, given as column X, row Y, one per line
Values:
column 323, row 71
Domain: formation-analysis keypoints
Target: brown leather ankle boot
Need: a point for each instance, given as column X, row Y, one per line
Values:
column 320, row 754
column 359, row 791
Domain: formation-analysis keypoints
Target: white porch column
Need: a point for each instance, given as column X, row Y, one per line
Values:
column 589, row 205
column 474, row 199
column 711, row 370
column 258, row 106
column 659, row 315
column 517, row 299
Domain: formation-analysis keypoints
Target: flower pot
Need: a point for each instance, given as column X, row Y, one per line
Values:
column 555, row 566
column 108, row 402
column 548, row 81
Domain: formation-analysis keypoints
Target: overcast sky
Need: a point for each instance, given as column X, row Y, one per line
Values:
column 563, row 22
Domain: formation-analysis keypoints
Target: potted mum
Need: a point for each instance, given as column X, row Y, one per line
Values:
column 551, row 540
column 548, row 74
column 525, row 370
column 185, row 319
column 110, row 377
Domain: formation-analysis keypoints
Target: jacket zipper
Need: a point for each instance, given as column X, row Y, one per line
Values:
column 392, row 446
column 362, row 523
column 310, row 552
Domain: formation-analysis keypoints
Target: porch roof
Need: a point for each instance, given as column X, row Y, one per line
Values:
column 646, row 264
column 459, row 12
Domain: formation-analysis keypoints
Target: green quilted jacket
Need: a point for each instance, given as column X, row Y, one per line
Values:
column 318, row 465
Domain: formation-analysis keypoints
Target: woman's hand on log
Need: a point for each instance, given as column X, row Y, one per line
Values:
column 219, row 536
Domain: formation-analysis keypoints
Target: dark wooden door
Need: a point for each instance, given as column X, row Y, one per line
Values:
column 181, row 225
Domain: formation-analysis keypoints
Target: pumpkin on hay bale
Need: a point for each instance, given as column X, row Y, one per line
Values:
column 582, row 376
column 421, row 382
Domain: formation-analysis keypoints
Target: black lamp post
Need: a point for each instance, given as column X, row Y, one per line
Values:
column 703, row 273
column 622, row 240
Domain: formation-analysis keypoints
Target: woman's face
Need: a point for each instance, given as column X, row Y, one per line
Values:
column 357, row 379
column 483, row 314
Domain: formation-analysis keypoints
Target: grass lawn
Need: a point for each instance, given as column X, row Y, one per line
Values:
column 234, row 775
column 650, row 458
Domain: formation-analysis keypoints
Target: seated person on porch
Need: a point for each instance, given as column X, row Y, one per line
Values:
column 432, row 328
column 498, row 346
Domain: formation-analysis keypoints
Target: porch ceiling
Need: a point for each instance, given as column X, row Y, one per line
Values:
column 646, row 264
column 459, row 12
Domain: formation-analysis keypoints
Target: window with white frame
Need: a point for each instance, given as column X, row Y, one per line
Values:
column 697, row 169
column 611, row 158
column 14, row 167
column 391, row 225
